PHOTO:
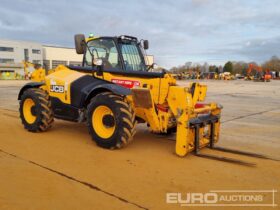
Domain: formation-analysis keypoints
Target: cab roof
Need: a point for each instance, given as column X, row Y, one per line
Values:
column 123, row 37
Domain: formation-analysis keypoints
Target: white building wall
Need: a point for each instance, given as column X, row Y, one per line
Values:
column 12, row 60
column 18, row 51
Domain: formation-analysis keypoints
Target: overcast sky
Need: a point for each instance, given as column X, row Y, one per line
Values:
column 178, row 30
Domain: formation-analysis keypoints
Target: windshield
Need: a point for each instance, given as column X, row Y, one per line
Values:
column 133, row 61
column 106, row 50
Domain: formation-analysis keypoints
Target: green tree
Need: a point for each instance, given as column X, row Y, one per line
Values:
column 239, row 67
column 212, row 68
column 228, row 67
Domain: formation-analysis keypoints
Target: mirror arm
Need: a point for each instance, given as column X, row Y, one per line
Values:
column 84, row 42
column 100, row 70
column 151, row 66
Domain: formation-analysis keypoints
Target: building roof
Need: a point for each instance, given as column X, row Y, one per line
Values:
column 19, row 41
column 57, row 46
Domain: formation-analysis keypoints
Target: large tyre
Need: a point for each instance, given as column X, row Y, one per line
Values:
column 35, row 110
column 111, row 120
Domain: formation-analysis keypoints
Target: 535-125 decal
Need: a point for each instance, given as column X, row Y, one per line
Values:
column 126, row 83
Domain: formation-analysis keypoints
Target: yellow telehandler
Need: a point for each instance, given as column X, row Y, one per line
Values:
column 114, row 90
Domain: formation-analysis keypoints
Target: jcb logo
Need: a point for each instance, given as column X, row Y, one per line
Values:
column 57, row 88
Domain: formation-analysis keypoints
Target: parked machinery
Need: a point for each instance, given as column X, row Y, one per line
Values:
column 256, row 73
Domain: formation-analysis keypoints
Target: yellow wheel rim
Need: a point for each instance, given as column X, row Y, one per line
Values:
column 27, row 113
column 98, row 125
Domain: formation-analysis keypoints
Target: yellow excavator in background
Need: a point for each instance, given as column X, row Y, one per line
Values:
column 226, row 76
column 256, row 73
column 35, row 72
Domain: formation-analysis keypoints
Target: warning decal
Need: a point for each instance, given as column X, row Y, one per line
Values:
column 126, row 83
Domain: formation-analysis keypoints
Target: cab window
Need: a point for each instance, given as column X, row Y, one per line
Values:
column 132, row 57
column 104, row 49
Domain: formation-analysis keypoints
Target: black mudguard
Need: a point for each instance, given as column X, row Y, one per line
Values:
column 86, row 87
column 29, row 85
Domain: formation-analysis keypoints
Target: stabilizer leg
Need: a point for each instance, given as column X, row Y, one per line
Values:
column 182, row 137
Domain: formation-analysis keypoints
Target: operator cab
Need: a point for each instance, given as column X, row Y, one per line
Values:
column 122, row 54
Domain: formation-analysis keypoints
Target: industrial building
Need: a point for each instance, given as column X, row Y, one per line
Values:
column 13, row 53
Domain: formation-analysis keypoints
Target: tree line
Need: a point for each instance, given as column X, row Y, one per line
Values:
column 234, row 67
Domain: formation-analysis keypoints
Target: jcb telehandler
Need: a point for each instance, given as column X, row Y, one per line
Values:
column 114, row 90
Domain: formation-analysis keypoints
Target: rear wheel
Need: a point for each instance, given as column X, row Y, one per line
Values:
column 111, row 120
column 35, row 110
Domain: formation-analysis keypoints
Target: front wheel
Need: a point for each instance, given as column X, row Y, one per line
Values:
column 35, row 110
column 111, row 120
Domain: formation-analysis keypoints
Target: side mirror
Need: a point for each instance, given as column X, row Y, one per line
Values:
column 146, row 44
column 80, row 43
